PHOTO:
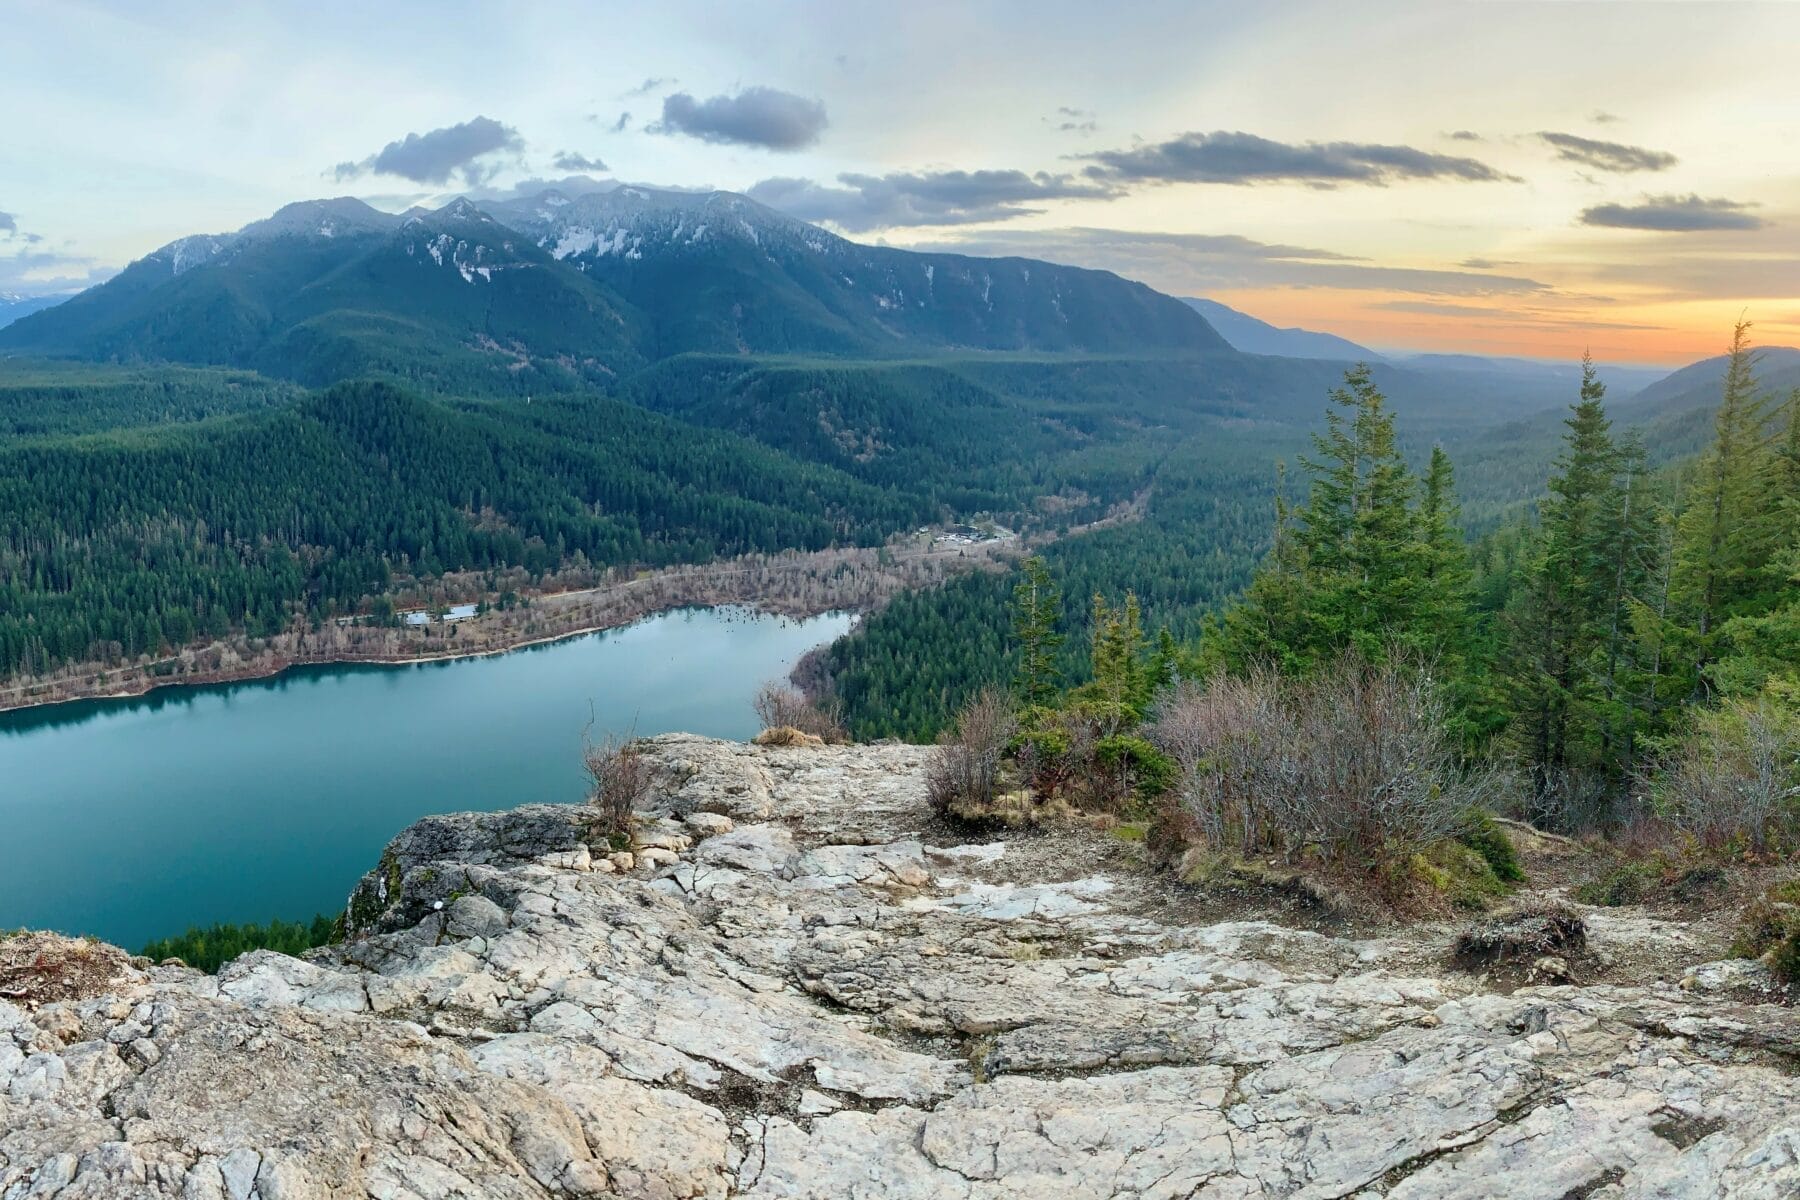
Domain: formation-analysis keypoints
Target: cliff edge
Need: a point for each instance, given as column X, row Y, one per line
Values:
column 798, row 986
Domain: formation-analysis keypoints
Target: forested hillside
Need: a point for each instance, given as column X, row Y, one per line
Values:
column 1205, row 528
column 120, row 544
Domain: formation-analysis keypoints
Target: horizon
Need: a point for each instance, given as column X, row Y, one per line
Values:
column 1513, row 179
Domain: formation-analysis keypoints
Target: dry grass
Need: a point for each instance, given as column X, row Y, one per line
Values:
column 780, row 707
column 40, row 968
column 786, row 735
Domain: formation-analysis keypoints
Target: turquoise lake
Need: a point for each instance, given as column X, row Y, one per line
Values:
column 134, row 819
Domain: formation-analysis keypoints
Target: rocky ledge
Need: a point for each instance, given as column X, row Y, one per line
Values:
column 788, row 990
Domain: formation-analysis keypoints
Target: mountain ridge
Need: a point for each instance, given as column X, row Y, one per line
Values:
column 627, row 276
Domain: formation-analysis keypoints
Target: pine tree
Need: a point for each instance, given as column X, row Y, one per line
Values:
column 1351, row 568
column 1120, row 677
column 1726, row 536
column 1630, row 534
column 1444, row 594
column 1554, row 618
column 1037, row 611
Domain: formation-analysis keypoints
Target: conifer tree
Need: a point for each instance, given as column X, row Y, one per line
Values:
column 1554, row 618
column 1037, row 611
column 1726, row 535
column 1444, row 600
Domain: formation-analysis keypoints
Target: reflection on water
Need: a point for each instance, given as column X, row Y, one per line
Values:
column 130, row 819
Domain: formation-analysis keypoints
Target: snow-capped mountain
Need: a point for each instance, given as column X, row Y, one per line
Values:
column 608, row 281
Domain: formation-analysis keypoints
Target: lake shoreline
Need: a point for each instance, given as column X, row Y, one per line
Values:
column 255, row 672
column 797, row 585
column 234, row 803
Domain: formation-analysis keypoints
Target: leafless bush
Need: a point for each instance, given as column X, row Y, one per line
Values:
column 1355, row 766
column 780, row 706
column 1575, row 802
column 1735, row 777
column 963, row 772
column 621, row 779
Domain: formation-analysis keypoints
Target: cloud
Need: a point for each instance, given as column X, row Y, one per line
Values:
column 757, row 116
column 569, row 160
column 1487, row 264
column 1607, row 156
column 904, row 198
column 45, row 273
column 1674, row 214
column 1601, row 117
column 1193, row 264
column 1244, row 158
column 436, row 156
column 620, row 125
column 573, row 185
column 649, row 85
column 1537, row 318
column 1074, row 120
column 10, row 231
column 1464, row 135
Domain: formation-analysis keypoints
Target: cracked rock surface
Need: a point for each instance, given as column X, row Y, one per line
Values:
column 801, row 993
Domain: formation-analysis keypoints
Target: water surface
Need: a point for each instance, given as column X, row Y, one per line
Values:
column 134, row 819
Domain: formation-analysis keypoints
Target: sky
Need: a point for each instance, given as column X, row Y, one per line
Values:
column 1484, row 176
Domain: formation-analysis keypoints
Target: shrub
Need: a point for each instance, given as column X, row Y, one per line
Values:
column 1630, row 883
column 1650, row 880
column 1486, row 838
column 1770, row 930
column 1354, row 767
column 779, row 706
column 1734, row 778
column 962, row 776
column 621, row 780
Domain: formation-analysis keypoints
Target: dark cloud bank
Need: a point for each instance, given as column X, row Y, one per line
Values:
column 437, row 156
column 1245, row 158
column 1675, row 214
column 757, row 116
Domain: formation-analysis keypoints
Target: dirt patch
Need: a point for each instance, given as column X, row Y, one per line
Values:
column 41, row 968
column 1526, row 932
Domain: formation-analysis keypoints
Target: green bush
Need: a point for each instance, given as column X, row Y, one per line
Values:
column 1487, row 839
column 1150, row 770
column 1630, row 883
column 210, row 948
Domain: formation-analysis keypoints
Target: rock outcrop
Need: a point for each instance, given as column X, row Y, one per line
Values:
column 790, row 988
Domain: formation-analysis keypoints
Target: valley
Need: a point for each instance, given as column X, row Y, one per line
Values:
column 245, row 450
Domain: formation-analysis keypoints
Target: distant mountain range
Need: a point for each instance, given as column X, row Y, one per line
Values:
column 13, row 307
column 595, row 286
column 1252, row 336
